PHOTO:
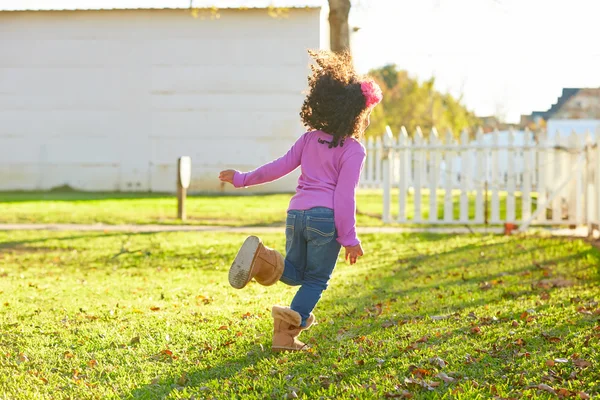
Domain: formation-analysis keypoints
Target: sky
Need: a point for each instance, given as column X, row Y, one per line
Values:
column 506, row 57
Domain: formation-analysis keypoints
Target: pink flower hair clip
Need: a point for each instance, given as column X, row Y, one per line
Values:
column 372, row 93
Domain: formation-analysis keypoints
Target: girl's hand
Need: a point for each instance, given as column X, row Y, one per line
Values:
column 353, row 252
column 227, row 176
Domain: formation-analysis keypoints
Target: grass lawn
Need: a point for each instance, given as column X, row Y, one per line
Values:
column 148, row 208
column 97, row 316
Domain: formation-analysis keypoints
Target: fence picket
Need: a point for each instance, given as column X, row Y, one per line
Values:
column 558, row 177
column 403, row 141
column 464, row 178
column 378, row 159
column 510, row 179
column 480, row 174
column 526, row 185
column 434, row 166
column 575, row 188
column 558, row 174
column 418, row 171
column 543, row 162
column 495, row 180
column 448, row 180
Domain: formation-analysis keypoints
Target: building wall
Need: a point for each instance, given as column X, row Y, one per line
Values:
column 108, row 100
column 584, row 105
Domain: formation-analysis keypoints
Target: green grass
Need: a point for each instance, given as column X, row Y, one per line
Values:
column 100, row 316
column 131, row 208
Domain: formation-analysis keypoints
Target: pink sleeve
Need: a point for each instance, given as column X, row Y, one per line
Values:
column 273, row 170
column 344, row 199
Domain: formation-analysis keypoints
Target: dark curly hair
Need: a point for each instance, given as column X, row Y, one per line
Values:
column 335, row 103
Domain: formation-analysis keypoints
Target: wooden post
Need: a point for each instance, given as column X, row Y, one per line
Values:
column 184, row 172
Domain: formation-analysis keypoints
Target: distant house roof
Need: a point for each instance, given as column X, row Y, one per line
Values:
column 71, row 5
column 566, row 95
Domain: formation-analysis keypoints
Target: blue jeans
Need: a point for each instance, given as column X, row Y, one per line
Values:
column 312, row 251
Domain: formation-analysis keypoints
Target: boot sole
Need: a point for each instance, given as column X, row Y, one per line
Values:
column 242, row 264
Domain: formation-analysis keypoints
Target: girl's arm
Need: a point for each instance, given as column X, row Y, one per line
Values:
column 344, row 199
column 273, row 170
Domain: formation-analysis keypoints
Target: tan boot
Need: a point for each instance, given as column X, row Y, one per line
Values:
column 286, row 328
column 255, row 260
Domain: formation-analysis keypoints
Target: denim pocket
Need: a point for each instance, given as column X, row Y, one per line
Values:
column 290, row 223
column 320, row 231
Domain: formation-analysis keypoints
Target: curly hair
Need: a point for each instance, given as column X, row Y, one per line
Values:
column 335, row 102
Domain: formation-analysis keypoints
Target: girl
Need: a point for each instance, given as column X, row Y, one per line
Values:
column 321, row 216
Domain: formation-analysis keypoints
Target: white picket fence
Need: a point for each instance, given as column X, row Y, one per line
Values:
column 486, row 180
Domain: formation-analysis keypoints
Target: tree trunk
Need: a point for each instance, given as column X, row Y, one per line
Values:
column 338, row 25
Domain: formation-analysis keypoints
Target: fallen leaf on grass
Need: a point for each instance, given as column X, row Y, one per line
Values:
column 359, row 362
column 564, row 393
column 134, row 340
column 582, row 363
column 445, row 377
column 419, row 382
column 154, row 308
column 325, row 381
column 438, row 361
column 545, row 296
column 92, row 363
column 423, row 339
column 550, row 363
column 183, row 379
column 388, row 324
column 405, row 394
column 223, row 328
column 418, row 372
column 557, row 283
column 543, row 386
column 583, row 395
column 583, row 310
column 551, row 339
column 44, row 380
column 22, row 358
column 239, row 334
column 68, row 355
column 475, row 329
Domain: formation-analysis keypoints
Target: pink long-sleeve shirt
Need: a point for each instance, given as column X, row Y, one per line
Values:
column 329, row 178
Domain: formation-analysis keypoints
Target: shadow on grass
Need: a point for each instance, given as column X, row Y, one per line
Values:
column 354, row 305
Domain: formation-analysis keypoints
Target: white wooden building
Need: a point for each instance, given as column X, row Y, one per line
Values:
column 106, row 95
